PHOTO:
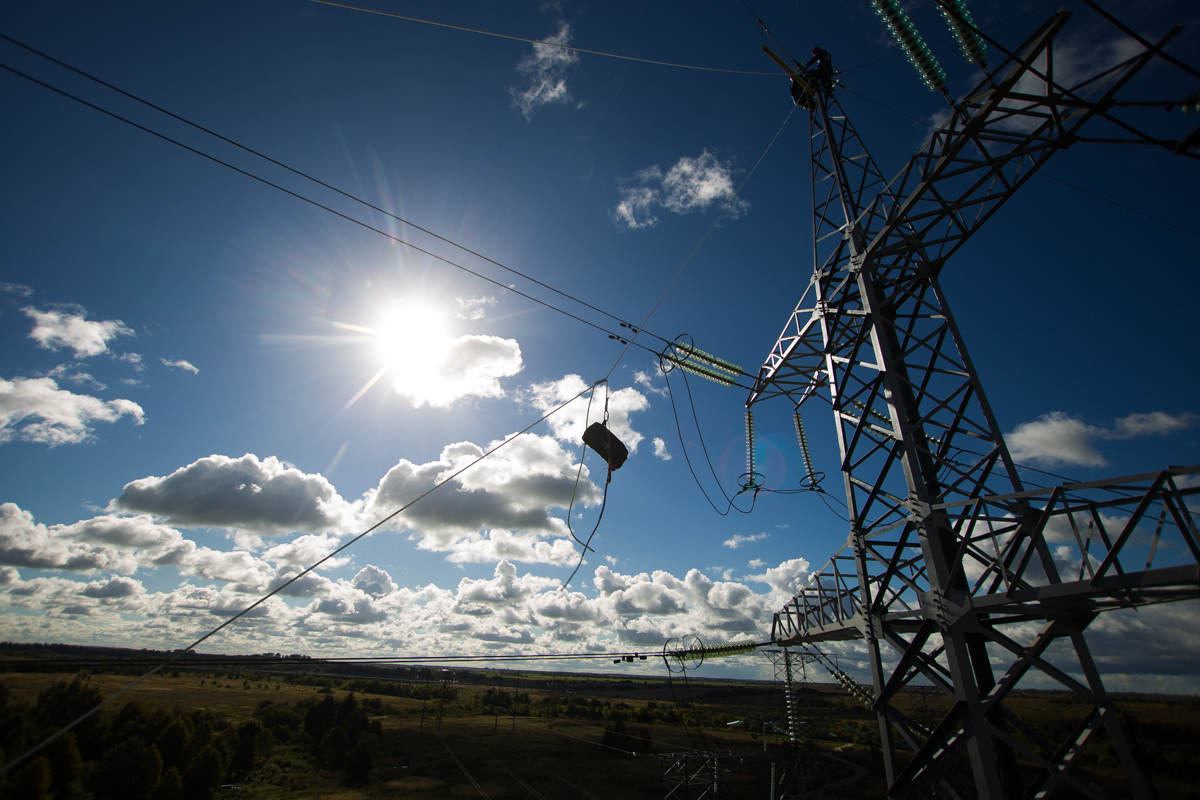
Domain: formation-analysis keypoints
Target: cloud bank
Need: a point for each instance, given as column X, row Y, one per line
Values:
column 1057, row 439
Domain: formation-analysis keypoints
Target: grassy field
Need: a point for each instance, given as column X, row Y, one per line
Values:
column 422, row 750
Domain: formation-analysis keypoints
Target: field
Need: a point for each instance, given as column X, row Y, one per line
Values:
column 458, row 746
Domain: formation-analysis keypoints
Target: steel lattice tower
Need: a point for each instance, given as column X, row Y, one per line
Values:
column 799, row 770
column 953, row 573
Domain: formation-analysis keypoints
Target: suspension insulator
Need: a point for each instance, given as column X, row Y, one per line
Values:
column 870, row 412
column 749, row 442
column 696, row 354
column 959, row 19
column 911, row 42
column 883, row 420
column 808, row 467
column 729, row 649
column 698, row 369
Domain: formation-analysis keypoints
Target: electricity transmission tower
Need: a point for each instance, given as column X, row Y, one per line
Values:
column 953, row 573
column 799, row 770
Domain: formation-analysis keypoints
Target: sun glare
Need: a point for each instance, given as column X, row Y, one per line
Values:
column 412, row 341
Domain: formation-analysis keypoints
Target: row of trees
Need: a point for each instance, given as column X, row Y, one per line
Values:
column 416, row 691
column 593, row 709
column 130, row 754
column 169, row 754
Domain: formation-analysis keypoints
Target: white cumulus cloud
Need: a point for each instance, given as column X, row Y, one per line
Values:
column 264, row 496
column 660, row 448
column 305, row 550
column 569, row 423
column 692, row 184
column 472, row 308
column 469, row 366
column 737, row 540
column 503, row 507
column 36, row 410
column 69, row 327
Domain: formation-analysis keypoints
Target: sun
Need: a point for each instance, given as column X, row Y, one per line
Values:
column 412, row 340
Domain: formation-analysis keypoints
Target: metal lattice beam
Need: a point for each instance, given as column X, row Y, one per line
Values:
column 951, row 566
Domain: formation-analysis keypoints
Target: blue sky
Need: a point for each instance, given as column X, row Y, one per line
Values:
column 188, row 412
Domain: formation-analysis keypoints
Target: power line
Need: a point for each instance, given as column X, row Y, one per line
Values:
column 179, row 653
column 687, row 459
column 301, row 174
column 688, row 260
column 540, row 41
column 1119, row 205
column 323, row 207
column 174, row 658
column 201, row 661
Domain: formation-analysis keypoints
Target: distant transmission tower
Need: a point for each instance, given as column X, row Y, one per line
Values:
column 953, row 573
column 800, row 771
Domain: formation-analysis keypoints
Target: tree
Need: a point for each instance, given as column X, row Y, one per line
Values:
column 62, row 702
column 129, row 771
column 32, row 782
column 333, row 748
column 204, row 773
column 264, row 743
column 358, row 763
column 66, row 765
column 320, row 718
column 130, row 721
column 244, row 756
column 169, row 786
column 643, row 742
column 171, row 742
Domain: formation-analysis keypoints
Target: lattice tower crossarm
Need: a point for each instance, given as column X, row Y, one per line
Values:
column 949, row 560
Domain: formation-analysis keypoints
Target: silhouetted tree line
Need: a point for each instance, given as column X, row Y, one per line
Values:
column 498, row 701
column 592, row 709
column 418, row 691
column 129, row 754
